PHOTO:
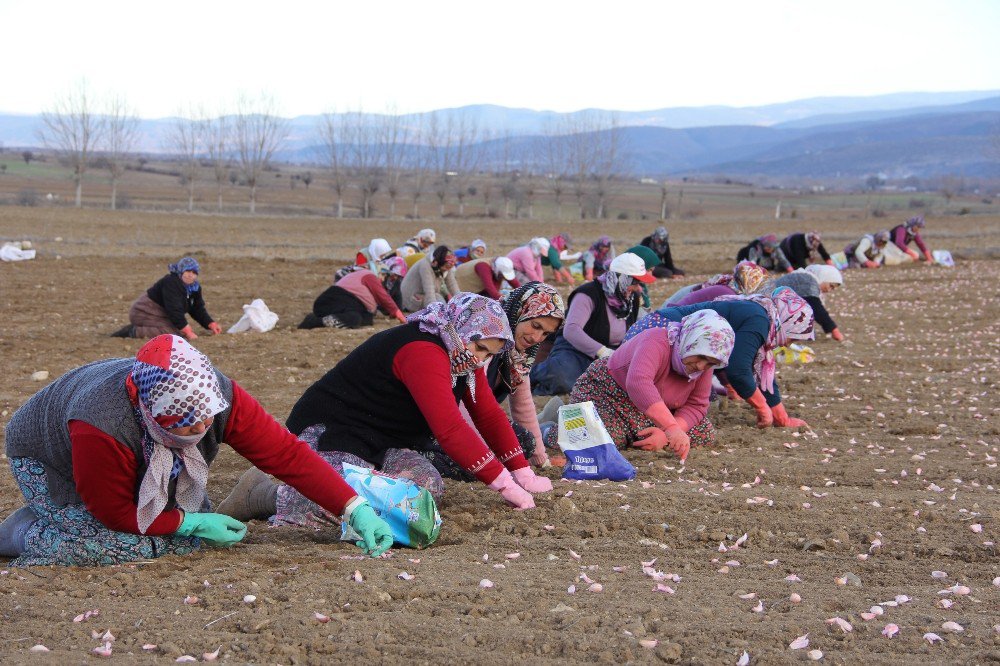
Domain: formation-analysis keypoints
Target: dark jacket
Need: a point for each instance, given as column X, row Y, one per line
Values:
column 172, row 295
column 797, row 250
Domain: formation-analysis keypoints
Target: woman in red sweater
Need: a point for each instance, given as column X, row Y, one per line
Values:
column 380, row 406
column 113, row 457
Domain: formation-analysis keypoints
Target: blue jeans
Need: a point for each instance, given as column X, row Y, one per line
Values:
column 557, row 373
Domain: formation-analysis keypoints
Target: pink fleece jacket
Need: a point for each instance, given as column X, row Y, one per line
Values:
column 526, row 262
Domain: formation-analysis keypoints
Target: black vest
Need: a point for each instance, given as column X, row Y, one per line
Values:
column 365, row 408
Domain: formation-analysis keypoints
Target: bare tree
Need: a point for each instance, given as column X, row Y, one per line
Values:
column 217, row 137
column 553, row 160
column 332, row 133
column 364, row 135
column 466, row 157
column 120, row 137
column 663, row 200
column 186, row 139
column 595, row 156
column 395, row 137
column 73, row 130
column 258, row 133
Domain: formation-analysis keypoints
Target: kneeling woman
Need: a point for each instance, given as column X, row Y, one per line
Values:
column 112, row 459
column 761, row 324
column 653, row 391
column 352, row 302
column 163, row 308
column 380, row 406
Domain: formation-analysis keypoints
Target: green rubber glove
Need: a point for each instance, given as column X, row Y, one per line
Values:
column 215, row 529
column 376, row 537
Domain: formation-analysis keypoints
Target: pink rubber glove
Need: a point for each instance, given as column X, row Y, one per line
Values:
column 783, row 420
column 651, row 439
column 679, row 442
column 837, row 335
column 516, row 496
column 189, row 333
column 929, row 257
column 913, row 254
column 829, row 262
column 400, row 317
column 765, row 416
column 215, row 328
column 530, row 481
column 871, row 264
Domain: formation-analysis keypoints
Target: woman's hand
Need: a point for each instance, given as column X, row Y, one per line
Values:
column 215, row 328
column 650, row 439
column 679, row 442
column 189, row 333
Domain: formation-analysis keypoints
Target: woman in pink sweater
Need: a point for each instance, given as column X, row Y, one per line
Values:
column 652, row 392
column 527, row 260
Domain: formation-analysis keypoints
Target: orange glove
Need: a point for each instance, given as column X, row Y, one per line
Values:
column 929, row 257
column 837, row 335
column 732, row 394
column 829, row 262
column 679, row 442
column 189, row 333
column 400, row 316
column 651, row 439
column 871, row 264
column 913, row 254
column 759, row 403
column 215, row 328
column 783, row 420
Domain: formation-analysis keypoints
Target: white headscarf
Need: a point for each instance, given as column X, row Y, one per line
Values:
column 824, row 273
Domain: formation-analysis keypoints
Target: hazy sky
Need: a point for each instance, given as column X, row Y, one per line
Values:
column 541, row 54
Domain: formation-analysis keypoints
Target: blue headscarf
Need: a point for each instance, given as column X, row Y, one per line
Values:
column 187, row 264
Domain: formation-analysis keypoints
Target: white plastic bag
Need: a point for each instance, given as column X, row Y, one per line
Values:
column 16, row 252
column 590, row 451
column 943, row 257
column 256, row 317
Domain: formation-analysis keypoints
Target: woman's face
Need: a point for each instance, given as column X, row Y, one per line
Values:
column 699, row 363
column 189, row 277
column 194, row 429
column 484, row 348
column 635, row 288
column 531, row 332
column 478, row 251
column 827, row 287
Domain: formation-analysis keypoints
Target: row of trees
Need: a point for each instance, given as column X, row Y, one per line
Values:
column 406, row 159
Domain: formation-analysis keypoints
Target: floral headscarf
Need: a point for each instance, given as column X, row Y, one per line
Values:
column 561, row 241
column 748, row 277
column 916, row 222
column 186, row 264
column 172, row 385
column 395, row 266
column 464, row 319
column 443, row 259
column 660, row 240
column 601, row 246
column 813, row 240
column 791, row 319
column 723, row 279
column 769, row 242
column 615, row 286
column 705, row 333
column 529, row 301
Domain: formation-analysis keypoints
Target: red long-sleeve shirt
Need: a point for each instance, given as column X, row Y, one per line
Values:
column 491, row 284
column 105, row 470
column 424, row 368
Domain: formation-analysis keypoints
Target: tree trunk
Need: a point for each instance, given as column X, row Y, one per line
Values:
column 340, row 208
column 392, row 208
column 441, row 209
column 663, row 206
column 506, row 208
column 461, row 208
column 191, row 198
column 220, row 196
column 114, row 194
column 558, row 209
column 253, row 199
column 531, row 211
column 416, row 212
column 79, row 191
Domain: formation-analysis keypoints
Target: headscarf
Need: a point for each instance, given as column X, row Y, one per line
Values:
column 769, row 242
column 813, row 240
column 916, row 222
column 539, row 246
column 561, row 241
column 464, row 319
column 603, row 241
column 427, row 235
column 378, row 248
column 477, row 243
column 187, row 264
column 723, row 279
column 791, row 319
column 615, row 286
column 529, row 301
column 881, row 238
column 705, row 333
column 824, row 273
column 395, row 266
column 660, row 240
column 748, row 277
column 443, row 259
column 172, row 385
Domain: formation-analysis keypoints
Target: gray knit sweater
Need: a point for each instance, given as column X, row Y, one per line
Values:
column 96, row 394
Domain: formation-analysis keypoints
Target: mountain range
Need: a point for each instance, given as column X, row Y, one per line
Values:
column 922, row 135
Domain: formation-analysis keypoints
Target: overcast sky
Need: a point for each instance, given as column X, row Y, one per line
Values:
column 557, row 55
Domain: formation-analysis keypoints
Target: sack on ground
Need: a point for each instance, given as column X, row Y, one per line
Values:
column 590, row 451
column 409, row 509
column 943, row 257
column 256, row 317
column 839, row 260
column 17, row 251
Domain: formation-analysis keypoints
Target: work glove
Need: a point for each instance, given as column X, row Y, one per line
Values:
column 732, row 394
column 651, row 439
column 913, row 254
column 527, row 479
column 215, row 529
column 215, row 328
column 515, row 495
column 837, row 335
column 376, row 537
column 401, row 317
column 604, row 352
column 929, row 257
column 871, row 264
column 189, row 333
column 783, row 420
column 829, row 262
column 764, row 413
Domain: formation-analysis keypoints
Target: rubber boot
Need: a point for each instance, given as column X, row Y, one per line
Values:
column 255, row 496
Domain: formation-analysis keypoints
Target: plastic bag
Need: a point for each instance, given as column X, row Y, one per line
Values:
column 839, row 260
column 794, row 353
column 943, row 257
column 590, row 452
column 17, row 251
column 409, row 509
column 256, row 317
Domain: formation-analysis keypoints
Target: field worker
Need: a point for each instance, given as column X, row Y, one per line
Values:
column 868, row 252
column 653, row 391
column 422, row 242
column 598, row 257
column 475, row 250
column 746, row 278
column 811, row 284
column 430, row 280
column 659, row 242
column 163, row 308
column 534, row 311
column 650, row 261
column 762, row 324
column 766, row 252
column 380, row 406
column 113, row 459
column 486, row 276
column 353, row 301
column 598, row 314
column 904, row 234
column 527, row 260
column 802, row 249
column 556, row 256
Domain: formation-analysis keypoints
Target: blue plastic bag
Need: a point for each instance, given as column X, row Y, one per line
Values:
column 409, row 510
column 590, row 452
